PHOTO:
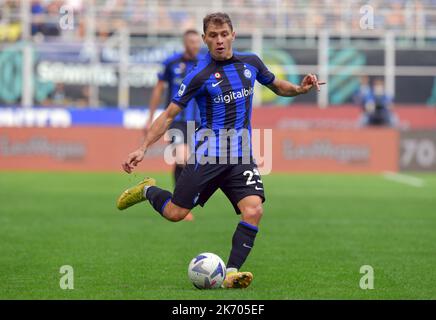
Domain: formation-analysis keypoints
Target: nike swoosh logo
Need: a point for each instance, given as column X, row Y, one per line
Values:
column 257, row 188
column 216, row 83
column 244, row 245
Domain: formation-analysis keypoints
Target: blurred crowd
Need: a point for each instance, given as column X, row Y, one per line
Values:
column 171, row 16
column 167, row 15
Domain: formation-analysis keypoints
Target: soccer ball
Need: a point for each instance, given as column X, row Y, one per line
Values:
column 207, row 271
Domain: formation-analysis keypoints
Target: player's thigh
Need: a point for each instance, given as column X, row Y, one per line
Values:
column 196, row 184
column 243, row 181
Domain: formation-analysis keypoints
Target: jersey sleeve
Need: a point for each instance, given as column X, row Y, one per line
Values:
column 189, row 89
column 264, row 76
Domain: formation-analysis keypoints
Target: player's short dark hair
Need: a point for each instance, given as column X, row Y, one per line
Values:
column 218, row 18
column 190, row 31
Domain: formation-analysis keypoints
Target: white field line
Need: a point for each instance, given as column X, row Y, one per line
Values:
column 403, row 178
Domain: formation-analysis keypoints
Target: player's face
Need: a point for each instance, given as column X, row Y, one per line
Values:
column 219, row 38
column 192, row 44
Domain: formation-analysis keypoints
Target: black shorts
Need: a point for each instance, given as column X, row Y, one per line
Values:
column 182, row 126
column 198, row 182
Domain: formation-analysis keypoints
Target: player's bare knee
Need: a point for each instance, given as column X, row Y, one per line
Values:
column 177, row 214
column 252, row 213
column 173, row 217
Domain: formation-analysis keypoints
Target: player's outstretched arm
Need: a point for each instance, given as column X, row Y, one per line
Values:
column 287, row 89
column 157, row 130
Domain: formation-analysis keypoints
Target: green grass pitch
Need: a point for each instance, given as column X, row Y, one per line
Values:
column 316, row 233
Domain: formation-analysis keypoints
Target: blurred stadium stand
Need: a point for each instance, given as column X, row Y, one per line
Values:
column 110, row 54
column 90, row 66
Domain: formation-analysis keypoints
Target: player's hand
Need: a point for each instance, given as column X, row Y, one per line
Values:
column 310, row 81
column 133, row 159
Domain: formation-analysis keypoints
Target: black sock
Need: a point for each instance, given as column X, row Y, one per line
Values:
column 158, row 198
column 177, row 171
column 242, row 242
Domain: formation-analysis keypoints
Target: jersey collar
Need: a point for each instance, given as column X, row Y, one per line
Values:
column 221, row 62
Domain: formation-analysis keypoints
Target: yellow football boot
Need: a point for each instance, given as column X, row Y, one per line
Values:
column 134, row 194
column 237, row 280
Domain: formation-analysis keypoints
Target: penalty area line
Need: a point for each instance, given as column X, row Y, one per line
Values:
column 403, row 178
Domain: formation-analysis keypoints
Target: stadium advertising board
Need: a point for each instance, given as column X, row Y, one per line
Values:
column 103, row 149
column 73, row 149
column 418, row 151
column 347, row 151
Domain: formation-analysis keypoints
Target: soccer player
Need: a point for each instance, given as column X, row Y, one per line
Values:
column 174, row 70
column 222, row 84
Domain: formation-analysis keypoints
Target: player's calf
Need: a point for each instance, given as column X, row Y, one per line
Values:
column 161, row 201
column 243, row 241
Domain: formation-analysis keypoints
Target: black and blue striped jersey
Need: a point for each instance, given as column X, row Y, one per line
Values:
column 224, row 92
column 174, row 70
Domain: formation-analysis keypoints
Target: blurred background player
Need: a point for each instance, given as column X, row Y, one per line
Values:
column 363, row 91
column 174, row 70
column 376, row 104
